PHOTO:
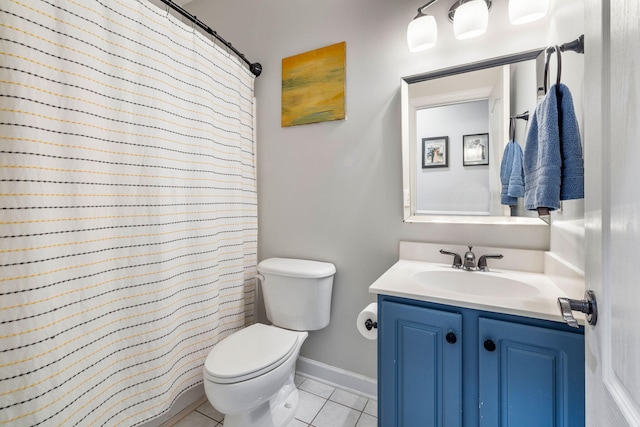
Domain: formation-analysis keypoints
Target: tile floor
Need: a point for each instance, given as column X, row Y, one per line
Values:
column 320, row 405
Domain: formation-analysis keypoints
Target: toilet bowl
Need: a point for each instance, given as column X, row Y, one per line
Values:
column 249, row 375
column 257, row 389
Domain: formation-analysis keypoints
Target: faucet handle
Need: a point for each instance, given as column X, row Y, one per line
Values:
column 482, row 262
column 457, row 261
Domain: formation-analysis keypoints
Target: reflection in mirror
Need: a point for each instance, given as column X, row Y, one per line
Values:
column 471, row 107
column 458, row 189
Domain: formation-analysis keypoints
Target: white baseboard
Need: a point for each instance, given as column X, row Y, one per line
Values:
column 346, row 380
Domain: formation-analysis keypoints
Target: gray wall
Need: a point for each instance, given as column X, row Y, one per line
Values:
column 333, row 191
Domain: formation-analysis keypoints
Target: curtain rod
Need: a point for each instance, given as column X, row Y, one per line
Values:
column 254, row 67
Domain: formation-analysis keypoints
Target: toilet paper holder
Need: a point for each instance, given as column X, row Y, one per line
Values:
column 367, row 321
column 370, row 324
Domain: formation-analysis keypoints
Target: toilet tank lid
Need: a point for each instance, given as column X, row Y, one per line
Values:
column 296, row 267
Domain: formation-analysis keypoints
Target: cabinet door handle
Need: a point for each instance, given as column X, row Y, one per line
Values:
column 451, row 338
column 489, row 345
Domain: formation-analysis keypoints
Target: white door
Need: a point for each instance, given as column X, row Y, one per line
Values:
column 612, row 210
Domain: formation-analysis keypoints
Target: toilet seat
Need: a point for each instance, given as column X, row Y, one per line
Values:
column 249, row 353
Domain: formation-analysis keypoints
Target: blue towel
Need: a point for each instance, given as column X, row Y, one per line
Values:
column 542, row 159
column 505, row 174
column 553, row 163
column 511, row 174
column 572, row 184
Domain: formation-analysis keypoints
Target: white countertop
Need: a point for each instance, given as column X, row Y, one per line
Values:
column 540, row 304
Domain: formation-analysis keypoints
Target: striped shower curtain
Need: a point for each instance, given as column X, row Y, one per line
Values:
column 128, row 222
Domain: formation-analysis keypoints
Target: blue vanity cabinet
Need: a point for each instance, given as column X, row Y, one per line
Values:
column 420, row 380
column 446, row 366
column 530, row 376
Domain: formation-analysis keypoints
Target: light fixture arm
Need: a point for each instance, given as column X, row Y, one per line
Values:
column 452, row 10
column 423, row 7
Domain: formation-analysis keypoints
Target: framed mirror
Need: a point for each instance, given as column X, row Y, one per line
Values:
column 469, row 107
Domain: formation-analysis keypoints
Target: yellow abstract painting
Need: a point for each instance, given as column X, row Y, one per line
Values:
column 313, row 86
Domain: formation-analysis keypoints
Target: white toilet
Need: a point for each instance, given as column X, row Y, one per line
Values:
column 248, row 376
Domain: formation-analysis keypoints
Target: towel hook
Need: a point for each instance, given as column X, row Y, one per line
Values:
column 550, row 51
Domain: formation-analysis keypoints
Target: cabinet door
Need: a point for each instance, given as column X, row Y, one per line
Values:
column 420, row 368
column 532, row 377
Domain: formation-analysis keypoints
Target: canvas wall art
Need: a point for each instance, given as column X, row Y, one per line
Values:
column 313, row 86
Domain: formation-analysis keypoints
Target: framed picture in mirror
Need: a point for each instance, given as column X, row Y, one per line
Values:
column 475, row 149
column 435, row 152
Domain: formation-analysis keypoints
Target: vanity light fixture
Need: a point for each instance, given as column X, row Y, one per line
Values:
column 470, row 18
column 422, row 32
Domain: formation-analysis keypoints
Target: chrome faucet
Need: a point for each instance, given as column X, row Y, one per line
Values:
column 469, row 260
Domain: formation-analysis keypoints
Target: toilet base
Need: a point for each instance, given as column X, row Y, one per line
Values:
column 284, row 404
column 276, row 412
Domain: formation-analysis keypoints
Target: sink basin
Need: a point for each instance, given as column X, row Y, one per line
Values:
column 475, row 283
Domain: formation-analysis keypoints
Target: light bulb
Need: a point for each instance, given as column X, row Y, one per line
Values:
column 470, row 19
column 422, row 33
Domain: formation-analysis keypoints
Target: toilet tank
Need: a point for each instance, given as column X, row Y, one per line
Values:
column 297, row 292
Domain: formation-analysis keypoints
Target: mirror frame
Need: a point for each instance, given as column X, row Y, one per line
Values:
column 408, row 165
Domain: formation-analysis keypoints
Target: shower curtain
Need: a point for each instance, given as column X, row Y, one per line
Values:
column 129, row 210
